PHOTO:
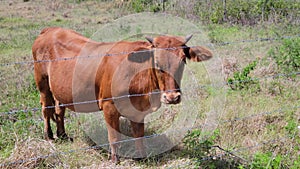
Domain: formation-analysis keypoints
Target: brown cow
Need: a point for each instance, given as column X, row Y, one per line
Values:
column 87, row 76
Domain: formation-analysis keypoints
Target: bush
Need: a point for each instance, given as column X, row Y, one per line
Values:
column 287, row 55
column 246, row 12
column 196, row 145
column 225, row 11
column 266, row 160
column 242, row 80
column 144, row 5
column 201, row 147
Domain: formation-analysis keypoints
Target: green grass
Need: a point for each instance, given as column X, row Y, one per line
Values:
column 249, row 123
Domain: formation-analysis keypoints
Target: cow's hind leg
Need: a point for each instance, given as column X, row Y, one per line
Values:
column 46, row 100
column 48, row 110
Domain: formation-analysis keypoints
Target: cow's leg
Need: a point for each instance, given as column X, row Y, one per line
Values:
column 138, row 132
column 59, row 119
column 48, row 110
column 46, row 100
column 112, row 116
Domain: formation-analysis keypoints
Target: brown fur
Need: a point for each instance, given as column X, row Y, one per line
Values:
column 70, row 68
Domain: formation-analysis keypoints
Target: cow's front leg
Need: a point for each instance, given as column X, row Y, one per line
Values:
column 111, row 116
column 138, row 132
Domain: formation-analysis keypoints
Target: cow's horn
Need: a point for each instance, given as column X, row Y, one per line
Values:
column 149, row 39
column 187, row 38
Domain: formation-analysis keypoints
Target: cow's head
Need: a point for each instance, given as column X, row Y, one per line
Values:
column 169, row 55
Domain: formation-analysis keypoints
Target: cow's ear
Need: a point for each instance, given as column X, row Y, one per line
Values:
column 198, row 54
column 140, row 55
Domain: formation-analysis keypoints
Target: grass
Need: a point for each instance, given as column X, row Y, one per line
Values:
column 248, row 120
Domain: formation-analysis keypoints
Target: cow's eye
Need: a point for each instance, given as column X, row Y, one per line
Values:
column 157, row 67
column 160, row 70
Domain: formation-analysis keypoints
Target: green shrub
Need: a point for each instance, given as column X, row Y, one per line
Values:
column 266, row 161
column 291, row 128
column 296, row 164
column 242, row 80
column 246, row 12
column 196, row 145
column 201, row 147
column 226, row 11
column 144, row 5
column 287, row 55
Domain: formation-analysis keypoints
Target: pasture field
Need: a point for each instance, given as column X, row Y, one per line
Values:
column 254, row 118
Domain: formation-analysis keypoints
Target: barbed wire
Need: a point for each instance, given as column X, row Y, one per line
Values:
column 257, row 40
column 126, row 53
column 278, row 75
column 88, row 102
column 145, row 94
column 91, row 56
column 160, row 134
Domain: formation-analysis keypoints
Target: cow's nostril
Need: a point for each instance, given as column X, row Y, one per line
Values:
column 177, row 98
column 165, row 96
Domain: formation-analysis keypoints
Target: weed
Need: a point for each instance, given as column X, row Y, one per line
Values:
column 246, row 12
column 296, row 164
column 287, row 55
column 266, row 160
column 242, row 80
column 200, row 145
column 291, row 127
column 144, row 5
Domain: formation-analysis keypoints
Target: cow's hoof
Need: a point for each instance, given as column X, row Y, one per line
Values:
column 138, row 159
column 48, row 137
column 65, row 137
column 115, row 159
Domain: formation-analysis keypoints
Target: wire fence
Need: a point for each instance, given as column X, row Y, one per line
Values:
column 140, row 95
column 258, row 40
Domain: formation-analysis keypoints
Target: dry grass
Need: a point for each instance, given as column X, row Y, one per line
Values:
column 26, row 152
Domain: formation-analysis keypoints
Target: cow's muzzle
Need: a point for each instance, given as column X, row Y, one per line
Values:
column 171, row 97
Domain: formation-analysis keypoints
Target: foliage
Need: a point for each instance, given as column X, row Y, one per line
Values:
column 144, row 5
column 242, row 80
column 296, row 164
column 199, row 145
column 291, row 127
column 287, row 55
column 246, row 12
column 266, row 161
